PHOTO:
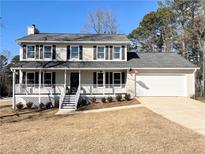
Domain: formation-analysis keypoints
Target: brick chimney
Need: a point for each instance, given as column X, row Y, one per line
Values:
column 32, row 30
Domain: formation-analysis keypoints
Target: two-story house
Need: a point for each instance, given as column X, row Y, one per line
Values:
column 61, row 67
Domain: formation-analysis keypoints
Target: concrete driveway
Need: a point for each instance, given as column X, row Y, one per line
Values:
column 182, row 110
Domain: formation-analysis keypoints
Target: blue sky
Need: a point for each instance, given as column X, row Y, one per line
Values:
column 64, row 17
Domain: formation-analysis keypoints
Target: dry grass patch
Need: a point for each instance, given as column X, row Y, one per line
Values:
column 125, row 131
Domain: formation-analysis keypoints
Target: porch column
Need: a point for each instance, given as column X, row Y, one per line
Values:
column 65, row 78
column 20, row 76
column 39, row 86
column 13, row 101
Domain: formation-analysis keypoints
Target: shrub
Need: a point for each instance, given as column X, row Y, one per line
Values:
column 19, row 106
column 42, row 106
column 56, row 104
column 127, row 97
column 29, row 105
column 119, row 97
column 34, row 106
column 109, row 98
column 82, row 102
column 103, row 99
column 93, row 99
column 48, row 105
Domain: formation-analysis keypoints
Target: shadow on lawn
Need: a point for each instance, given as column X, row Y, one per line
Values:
column 31, row 115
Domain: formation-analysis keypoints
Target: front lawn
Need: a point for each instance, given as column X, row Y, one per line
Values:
column 135, row 130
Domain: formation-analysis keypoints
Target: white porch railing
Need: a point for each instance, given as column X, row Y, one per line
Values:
column 26, row 89
column 63, row 93
column 105, row 89
column 85, row 89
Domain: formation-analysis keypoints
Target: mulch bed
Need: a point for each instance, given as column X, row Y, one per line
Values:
column 100, row 105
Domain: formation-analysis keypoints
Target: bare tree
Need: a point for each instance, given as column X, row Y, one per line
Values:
column 101, row 22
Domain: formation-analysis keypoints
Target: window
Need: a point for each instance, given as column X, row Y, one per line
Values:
column 47, row 52
column 101, row 53
column 117, row 79
column 47, row 78
column 30, row 51
column 100, row 79
column 74, row 52
column 30, row 78
column 117, row 52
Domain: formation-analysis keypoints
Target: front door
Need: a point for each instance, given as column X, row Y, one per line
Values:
column 74, row 82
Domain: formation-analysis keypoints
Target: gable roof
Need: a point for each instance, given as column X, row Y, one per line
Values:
column 65, row 37
column 140, row 60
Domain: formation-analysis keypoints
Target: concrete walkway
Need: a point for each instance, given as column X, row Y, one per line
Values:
column 182, row 110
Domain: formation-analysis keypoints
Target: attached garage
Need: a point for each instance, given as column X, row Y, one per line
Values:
column 161, row 85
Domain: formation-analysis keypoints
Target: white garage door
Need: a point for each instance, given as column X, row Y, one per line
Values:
column 161, row 85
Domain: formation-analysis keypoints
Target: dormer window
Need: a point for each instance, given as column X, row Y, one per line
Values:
column 101, row 52
column 31, row 51
column 74, row 52
column 117, row 52
column 47, row 52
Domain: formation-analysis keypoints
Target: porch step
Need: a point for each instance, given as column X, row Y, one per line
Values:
column 69, row 102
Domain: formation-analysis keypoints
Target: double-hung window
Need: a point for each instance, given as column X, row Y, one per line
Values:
column 117, row 52
column 47, row 78
column 48, row 52
column 100, row 79
column 101, row 52
column 117, row 79
column 30, row 78
column 74, row 52
column 31, row 51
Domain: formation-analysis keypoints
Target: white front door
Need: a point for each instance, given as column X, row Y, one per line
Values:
column 161, row 85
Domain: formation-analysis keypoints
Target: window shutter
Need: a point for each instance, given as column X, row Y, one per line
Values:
column 107, row 79
column 24, row 51
column 53, row 77
column 54, row 51
column 41, row 51
column 111, row 79
column 37, row 51
column 94, row 79
column 24, row 77
column 123, row 52
column 68, row 52
column 81, row 52
column 123, row 77
column 42, row 78
column 107, row 52
column 111, row 52
column 94, row 52
column 36, row 78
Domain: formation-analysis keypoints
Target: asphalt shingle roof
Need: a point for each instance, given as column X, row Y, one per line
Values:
column 140, row 60
column 61, row 37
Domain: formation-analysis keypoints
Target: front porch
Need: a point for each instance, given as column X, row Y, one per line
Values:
column 54, row 85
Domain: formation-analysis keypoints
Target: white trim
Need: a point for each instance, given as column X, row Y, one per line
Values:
column 33, row 51
column 33, row 72
column 19, row 68
column 120, row 79
column 47, row 59
column 76, row 42
column 113, row 53
column 74, row 59
column 100, row 59
column 44, row 77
